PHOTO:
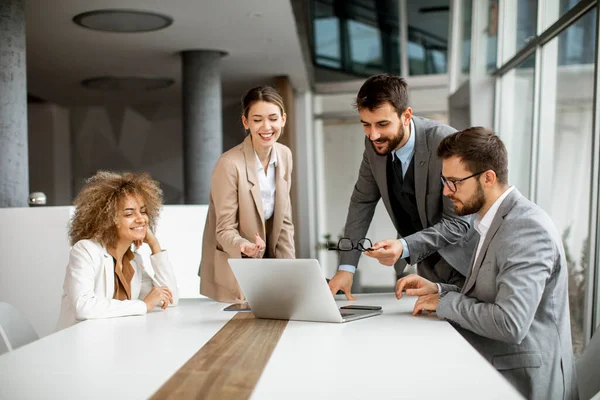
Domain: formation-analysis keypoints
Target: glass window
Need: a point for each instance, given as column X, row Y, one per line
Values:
column 327, row 36
column 487, row 36
column 553, row 10
column 466, row 37
column 516, row 122
column 365, row 48
column 566, row 152
column 428, row 24
column 465, row 50
column 579, row 43
column 360, row 37
column 491, row 36
column 416, row 58
column 520, row 25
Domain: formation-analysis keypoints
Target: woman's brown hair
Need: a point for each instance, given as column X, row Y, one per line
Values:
column 261, row 93
column 96, row 205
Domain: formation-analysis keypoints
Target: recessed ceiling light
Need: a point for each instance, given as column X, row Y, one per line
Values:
column 127, row 83
column 124, row 21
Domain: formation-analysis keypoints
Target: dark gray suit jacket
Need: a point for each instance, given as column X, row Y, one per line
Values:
column 451, row 236
column 514, row 305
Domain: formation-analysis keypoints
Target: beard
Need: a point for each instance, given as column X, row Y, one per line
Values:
column 392, row 143
column 472, row 205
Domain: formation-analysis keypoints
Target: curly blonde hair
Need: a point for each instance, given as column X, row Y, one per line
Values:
column 96, row 205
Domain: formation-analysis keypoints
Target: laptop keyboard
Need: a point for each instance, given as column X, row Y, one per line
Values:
column 345, row 314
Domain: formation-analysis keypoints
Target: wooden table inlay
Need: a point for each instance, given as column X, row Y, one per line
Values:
column 229, row 365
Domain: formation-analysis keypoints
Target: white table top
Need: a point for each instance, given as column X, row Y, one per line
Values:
column 393, row 355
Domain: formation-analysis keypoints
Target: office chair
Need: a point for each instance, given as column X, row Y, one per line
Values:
column 587, row 369
column 15, row 329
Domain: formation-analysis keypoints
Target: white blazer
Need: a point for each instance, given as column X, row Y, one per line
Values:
column 90, row 284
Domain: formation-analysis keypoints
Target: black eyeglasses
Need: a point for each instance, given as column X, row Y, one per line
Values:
column 346, row 244
column 451, row 183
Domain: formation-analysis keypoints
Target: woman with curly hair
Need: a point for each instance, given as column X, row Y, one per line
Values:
column 104, row 277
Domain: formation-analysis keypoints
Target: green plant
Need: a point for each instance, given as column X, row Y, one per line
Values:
column 328, row 244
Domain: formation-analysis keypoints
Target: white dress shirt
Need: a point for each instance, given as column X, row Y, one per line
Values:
column 406, row 152
column 267, row 184
column 482, row 225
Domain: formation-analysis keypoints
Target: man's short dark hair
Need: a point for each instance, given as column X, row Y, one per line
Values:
column 381, row 89
column 479, row 148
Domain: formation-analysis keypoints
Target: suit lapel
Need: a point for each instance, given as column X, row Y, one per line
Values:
column 504, row 209
column 281, row 190
column 136, row 280
column 109, row 274
column 470, row 270
column 251, row 169
column 421, row 168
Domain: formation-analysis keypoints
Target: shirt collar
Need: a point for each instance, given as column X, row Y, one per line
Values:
column 482, row 225
column 273, row 159
column 406, row 152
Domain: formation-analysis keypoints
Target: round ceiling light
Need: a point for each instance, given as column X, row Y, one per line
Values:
column 127, row 83
column 124, row 21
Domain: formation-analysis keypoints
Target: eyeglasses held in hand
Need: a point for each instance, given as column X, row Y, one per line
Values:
column 362, row 245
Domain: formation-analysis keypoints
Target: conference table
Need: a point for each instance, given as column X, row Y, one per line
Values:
column 394, row 355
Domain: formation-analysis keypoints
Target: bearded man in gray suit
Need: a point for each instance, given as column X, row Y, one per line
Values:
column 401, row 168
column 513, row 307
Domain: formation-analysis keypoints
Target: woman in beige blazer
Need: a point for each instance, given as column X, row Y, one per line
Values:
column 249, row 214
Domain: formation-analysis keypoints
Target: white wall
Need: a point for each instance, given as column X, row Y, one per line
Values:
column 35, row 251
column 180, row 231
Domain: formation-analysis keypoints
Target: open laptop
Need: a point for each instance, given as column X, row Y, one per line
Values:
column 293, row 289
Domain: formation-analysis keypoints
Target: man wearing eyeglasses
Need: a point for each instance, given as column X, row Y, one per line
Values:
column 514, row 305
column 400, row 167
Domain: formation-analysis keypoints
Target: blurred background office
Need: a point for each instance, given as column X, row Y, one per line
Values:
column 154, row 86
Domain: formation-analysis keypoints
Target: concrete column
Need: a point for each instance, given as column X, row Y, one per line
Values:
column 202, row 122
column 14, row 168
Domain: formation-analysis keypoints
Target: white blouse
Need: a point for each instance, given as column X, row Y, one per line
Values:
column 267, row 184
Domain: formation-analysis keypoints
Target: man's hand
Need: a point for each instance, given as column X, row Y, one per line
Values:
column 428, row 302
column 253, row 250
column 342, row 281
column 387, row 252
column 415, row 285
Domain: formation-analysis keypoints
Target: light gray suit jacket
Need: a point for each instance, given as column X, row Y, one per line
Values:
column 453, row 237
column 514, row 305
